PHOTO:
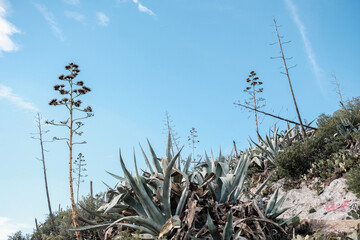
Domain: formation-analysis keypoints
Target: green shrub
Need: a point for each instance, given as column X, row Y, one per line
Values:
column 318, row 150
column 19, row 236
column 335, row 166
column 63, row 222
column 293, row 162
column 353, row 180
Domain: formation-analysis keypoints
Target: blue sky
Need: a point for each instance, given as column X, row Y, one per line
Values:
column 142, row 58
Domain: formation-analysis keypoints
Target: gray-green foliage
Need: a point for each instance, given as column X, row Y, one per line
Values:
column 63, row 221
column 273, row 144
column 228, row 181
column 163, row 200
column 19, row 236
column 335, row 133
column 353, row 180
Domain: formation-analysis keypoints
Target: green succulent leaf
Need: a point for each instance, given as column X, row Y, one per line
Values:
column 91, row 227
column 227, row 234
column 116, row 176
column 272, row 202
column 149, row 206
column 212, row 229
column 262, row 185
column 155, row 161
column 184, row 194
column 187, row 165
column 147, row 161
column 167, row 186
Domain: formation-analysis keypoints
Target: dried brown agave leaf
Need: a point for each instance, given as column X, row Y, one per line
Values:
column 173, row 222
column 257, row 209
column 252, row 219
column 259, row 230
column 191, row 212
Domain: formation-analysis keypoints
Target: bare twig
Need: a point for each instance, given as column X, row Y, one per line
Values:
column 288, row 77
column 274, row 116
column 40, row 138
column 338, row 91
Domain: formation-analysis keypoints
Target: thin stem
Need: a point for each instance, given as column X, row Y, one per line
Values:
column 274, row 116
column 256, row 120
column 288, row 77
column 73, row 207
column 78, row 184
column 169, row 130
column 45, row 177
column 338, row 91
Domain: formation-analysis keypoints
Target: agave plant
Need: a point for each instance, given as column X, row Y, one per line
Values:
column 345, row 126
column 226, row 182
column 274, row 142
column 166, row 201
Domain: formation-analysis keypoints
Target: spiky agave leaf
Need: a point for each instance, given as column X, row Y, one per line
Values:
column 155, row 161
column 187, row 165
column 149, row 225
column 184, row 194
column 240, row 176
column 272, row 202
column 258, row 191
column 152, row 211
column 227, row 234
column 212, row 229
column 167, row 186
column 116, row 176
column 147, row 160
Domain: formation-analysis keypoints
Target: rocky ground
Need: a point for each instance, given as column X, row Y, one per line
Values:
column 326, row 211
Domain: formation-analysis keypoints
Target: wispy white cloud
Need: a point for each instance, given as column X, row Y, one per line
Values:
column 8, row 227
column 7, row 94
column 309, row 52
column 144, row 9
column 103, row 20
column 49, row 17
column 75, row 16
column 6, row 29
column 72, row 2
column 140, row 7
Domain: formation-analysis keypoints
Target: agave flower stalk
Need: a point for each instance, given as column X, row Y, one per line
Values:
column 41, row 140
column 192, row 141
column 288, row 77
column 72, row 104
column 257, row 102
column 79, row 169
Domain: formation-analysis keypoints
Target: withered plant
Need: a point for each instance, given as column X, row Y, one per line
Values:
column 254, row 101
column 39, row 136
column 71, row 92
column 192, row 141
column 170, row 128
column 288, row 74
column 79, row 172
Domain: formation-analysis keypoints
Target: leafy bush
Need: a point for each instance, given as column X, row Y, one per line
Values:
column 294, row 161
column 353, row 180
column 63, row 222
column 18, row 236
column 335, row 166
column 317, row 150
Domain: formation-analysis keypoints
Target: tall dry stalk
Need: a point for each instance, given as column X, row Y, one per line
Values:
column 192, row 141
column 40, row 138
column 79, row 169
column 338, row 91
column 72, row 104
column 254, row 101
column 288, row 77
